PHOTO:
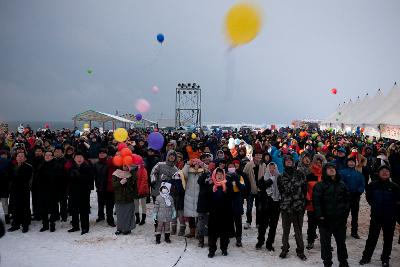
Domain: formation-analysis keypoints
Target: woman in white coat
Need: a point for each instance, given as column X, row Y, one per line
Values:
column 192, row 171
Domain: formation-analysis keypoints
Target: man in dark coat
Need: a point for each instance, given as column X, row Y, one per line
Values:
column 331, row 201
column 5, row 164
column 21, row 176
column 48, row 192
column 80, row 185
column 105, row 197
column 60, row 175
column 384, row 198
column 36, row 161
column 292, row 187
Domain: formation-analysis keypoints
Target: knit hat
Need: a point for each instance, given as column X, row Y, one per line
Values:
column 341, row 149
column 384, row 167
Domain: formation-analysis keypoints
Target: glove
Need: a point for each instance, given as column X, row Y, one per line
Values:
column 123, row 181
column 155, row 217
column 174, row 214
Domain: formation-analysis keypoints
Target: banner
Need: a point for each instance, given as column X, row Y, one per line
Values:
column 392, row 132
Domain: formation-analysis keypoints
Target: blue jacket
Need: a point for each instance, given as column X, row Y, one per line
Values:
column 353, row 179
column 340, row 163
column 277, row 158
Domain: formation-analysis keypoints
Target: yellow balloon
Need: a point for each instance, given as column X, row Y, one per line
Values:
column 243, row 23
column 120, row 135
column 194, row 136
column 86, row 125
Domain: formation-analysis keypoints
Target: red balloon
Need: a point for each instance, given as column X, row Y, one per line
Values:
column 117, row 161
column 334, row 91
column 126, row 152
column 127, row 161
column 121, row 146
column 137, row 160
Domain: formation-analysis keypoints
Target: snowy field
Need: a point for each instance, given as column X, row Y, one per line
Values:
column 102, row 248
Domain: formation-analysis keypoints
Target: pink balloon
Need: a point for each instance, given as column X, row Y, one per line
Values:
column 155, row 89
column 142, row 105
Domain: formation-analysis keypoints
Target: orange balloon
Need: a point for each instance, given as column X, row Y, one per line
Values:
column 127, row 161
column 126, row 152
column 117, row 161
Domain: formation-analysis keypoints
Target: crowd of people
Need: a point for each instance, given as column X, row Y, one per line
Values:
column 207, row 182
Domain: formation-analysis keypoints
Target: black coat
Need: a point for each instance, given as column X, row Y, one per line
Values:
column 4, row 178
column 331, row 200
column 237, row 197
column 61, row 175
column 101, row 175
column 220, row 221
column 205, row 193
column 80, row 184
column 394, row 160
column 48, row 187
column 384, row 199
column 20, row 196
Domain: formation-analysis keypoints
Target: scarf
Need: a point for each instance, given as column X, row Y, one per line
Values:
column 273, row 190
column 317, row 171
column 123, row 175
column 165, row 196
column 218, row 183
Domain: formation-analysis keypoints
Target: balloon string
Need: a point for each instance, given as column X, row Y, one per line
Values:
column 230, row 75
column 156, row 58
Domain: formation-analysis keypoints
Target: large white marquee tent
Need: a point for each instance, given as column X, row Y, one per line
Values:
column 379, row 115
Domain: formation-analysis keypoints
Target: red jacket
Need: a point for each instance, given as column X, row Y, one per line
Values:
column 142, row 182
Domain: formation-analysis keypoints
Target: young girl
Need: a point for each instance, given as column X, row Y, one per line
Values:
column 164, row 212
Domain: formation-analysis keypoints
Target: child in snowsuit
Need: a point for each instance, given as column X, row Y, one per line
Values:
column 164, row 212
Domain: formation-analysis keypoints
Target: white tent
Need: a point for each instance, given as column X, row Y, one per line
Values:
column 345, row 112
column 359, row 110
column 385, row 113
column 347, row 117
column 331, row 118
column 373, row 106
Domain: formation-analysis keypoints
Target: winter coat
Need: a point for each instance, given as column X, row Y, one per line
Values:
column 292, row 187
column 162, row 171
column 331, row 200
column 61, row 175
column 2, row 229
column 368, row 168
column 237, row 184
column 394, row 160
column 249, row 171
column 312, row 179
column 125, row 193
column 80, row 184
column 20, row 177
column 353, row 179
column 5, row 165
column 177, row 189
column 384, row 199
column 277, row 158
column 205, row 192
column 101, row 175
column 142, row 182
column 164, row 213
column 220, row 220
column 94, row 150
column 48, row 187
column 192, row 190
column 340, row 163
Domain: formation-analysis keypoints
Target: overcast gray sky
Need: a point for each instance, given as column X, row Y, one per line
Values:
column 304, row 49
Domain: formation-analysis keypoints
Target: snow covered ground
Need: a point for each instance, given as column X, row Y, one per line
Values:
column 102, row 248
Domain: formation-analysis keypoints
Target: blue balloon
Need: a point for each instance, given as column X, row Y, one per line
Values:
column 138, row 117
column 160, row 38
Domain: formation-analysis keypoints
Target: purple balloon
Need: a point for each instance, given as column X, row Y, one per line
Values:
column 138, row 117
column 155, row 140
